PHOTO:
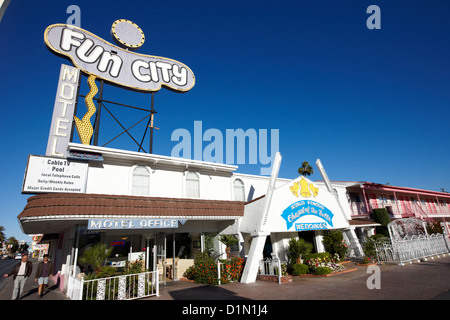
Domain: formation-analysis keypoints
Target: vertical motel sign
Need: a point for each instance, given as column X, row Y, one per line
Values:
column 63, row 111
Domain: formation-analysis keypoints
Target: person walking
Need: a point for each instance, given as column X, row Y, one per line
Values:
column 43, row 271
column 20, row 273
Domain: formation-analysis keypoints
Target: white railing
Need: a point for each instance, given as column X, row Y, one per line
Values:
column 74, row 288
column 411, row 248
column 124, row 287
column 270, row 267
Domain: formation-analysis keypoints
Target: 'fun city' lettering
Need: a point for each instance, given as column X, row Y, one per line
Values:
column 95, row 56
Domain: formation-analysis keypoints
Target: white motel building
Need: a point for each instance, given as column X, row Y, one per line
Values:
column 166, row 209
column 135, row 202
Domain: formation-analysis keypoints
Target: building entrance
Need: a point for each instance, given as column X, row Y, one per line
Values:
column 308, row 236
column 171, row 248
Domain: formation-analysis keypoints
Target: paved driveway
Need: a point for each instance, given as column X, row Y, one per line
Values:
column 418, row 281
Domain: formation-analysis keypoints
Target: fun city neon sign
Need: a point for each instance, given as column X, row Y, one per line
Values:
column 118, row 65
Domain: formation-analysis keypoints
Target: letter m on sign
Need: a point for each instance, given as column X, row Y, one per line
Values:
column 94, row 224
column 69, row 75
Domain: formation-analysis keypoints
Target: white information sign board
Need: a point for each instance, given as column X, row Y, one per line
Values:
column 50, row 175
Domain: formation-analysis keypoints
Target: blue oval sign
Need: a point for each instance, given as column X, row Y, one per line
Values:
column 303, row 208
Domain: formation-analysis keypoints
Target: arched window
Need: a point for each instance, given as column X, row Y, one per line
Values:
column 141, row 181
column 239, row 190
column 192, row 185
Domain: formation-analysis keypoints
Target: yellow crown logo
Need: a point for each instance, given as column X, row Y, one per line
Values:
column 306, row 189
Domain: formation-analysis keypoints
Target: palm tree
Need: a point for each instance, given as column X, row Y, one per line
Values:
column 298, row 248
column 228, row 240
column 2, row 235
column 305, row 169
column 96, row 256
column 14, row 244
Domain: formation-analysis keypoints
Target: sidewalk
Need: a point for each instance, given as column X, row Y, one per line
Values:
column 30, row 290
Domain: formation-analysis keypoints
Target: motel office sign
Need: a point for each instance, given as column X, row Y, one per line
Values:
column 127, row 224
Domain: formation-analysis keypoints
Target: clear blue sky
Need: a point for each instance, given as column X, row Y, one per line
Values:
column 373, row 105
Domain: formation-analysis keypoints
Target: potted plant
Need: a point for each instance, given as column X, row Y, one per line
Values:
column 228, row 240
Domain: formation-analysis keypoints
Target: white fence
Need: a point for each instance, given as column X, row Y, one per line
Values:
column 124, row 287
column 74, row 288
column 411, row 248
column 270, row 267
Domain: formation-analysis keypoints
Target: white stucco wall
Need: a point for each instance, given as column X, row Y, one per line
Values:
column 114, row 176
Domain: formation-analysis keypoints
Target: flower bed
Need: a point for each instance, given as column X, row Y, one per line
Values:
column 317, row 264
column 309, row 275
column 204, row 270
column 320, row 265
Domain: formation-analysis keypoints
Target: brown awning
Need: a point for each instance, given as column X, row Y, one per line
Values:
column 63, row 204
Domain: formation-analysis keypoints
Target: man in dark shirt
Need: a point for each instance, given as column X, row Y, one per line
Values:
column 44, row 270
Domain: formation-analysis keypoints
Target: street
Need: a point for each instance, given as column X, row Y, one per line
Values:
column 6, row 265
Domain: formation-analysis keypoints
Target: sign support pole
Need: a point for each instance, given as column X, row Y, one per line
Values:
column 259, row 237
column 97, row 116
column 351, row 232
column 152, row 111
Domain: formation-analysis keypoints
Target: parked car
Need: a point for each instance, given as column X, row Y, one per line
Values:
column 18, row 256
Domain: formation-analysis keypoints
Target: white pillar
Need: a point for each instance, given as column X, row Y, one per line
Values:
column 155, row 258
column 147, row 253
column 260, row 235
column 353, row 239
column 318, row 237
column 174, row 256
column 254, row 256
column 241, row 244
column 75, row 260
column 202, row 242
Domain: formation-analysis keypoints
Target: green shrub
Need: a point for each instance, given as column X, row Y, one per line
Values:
column 382, row 217
column 434, row 227
column 322, row 270
column 321, row 255
column 190, row 273
column 205, row 269
column 367, row 260
column 333, row 241
column 137, row 266
column 106, row 272
column 299, row 268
